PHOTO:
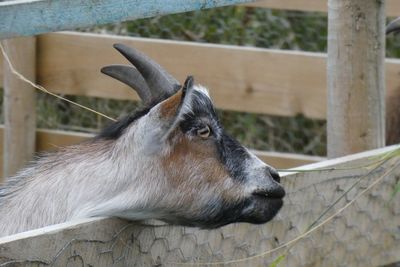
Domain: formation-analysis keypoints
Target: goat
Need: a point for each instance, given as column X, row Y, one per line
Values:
column 171, row 161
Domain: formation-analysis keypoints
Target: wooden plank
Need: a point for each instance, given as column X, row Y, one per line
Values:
column 298, row 5
column 363, row 235
column 19, row 105
column 392, row 6
column 49, row 140
column 239, row 78
column 286, row 160
column 356, row 86
column 31, row 17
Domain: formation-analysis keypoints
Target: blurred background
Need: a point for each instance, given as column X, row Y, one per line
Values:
column 235, row 25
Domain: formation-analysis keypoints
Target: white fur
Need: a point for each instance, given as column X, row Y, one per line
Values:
column 202, row 90
column 123, row 177
column 255, row 168
column 85, row 181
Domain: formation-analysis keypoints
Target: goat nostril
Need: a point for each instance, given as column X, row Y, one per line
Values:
column 275, row 175
column 276, row 192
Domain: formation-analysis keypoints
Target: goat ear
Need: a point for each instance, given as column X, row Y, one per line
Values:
column 174, row 107
column 171, row 112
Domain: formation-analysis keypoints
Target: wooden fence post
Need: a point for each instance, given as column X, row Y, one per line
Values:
column 356, row 85
column 19, row 105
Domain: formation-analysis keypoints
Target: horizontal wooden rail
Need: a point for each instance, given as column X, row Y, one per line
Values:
column 365, row 234
column 286, row 160
column 392, row 6
column 31, row 17
column 239, row 78
column 50, row 140
column 246, row 79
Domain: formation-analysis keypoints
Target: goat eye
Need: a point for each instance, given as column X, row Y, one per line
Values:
column 204, row 132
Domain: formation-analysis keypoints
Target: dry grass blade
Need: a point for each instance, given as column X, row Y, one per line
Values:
column 41, row 88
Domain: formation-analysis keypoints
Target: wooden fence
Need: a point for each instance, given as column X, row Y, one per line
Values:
column 248, row 79
column 265, row 81
column 276, row 82
column 365, row 234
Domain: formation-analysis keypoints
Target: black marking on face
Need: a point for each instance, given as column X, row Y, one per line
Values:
column 233, row 155
column 230, row 152
column 203, row 112
column 213, row 216
column 219, row 213
column 116, row 129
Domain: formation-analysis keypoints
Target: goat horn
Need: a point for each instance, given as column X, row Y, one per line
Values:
column 159, row 81
column 132, row 77
column 393, row 26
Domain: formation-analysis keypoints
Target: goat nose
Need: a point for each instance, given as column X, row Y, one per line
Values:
column 273, row 191
column 274, row 174
column 276, row 191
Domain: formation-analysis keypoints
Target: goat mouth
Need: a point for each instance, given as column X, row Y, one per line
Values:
column 262, row 209
column 254, row 210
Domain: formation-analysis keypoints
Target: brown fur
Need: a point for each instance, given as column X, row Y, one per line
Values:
column 197, row 151
column 169, row 108
column 197, row 157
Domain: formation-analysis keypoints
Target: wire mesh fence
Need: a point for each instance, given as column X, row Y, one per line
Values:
column 363, row 229
column 235, row 25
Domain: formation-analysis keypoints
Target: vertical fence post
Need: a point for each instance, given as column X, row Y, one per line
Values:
column 19, row 105
column 356, row 87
